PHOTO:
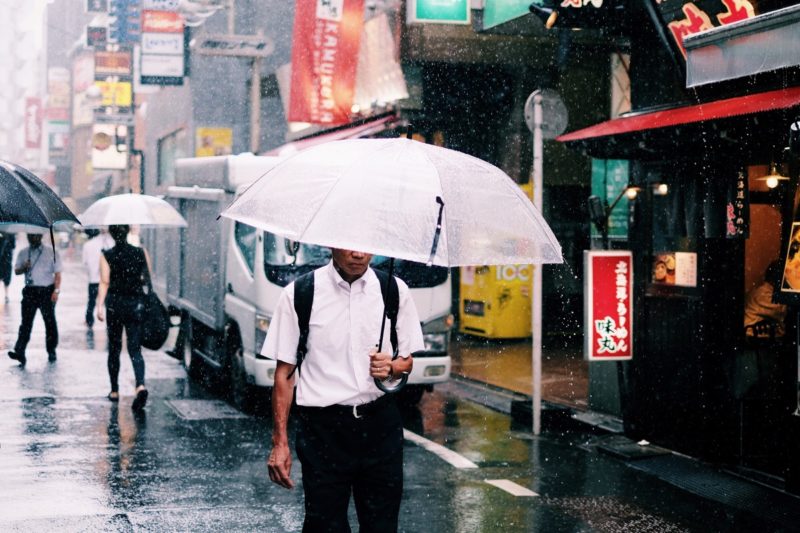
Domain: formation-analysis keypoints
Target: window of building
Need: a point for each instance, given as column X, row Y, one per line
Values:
column 246, row 242
column 170, row 148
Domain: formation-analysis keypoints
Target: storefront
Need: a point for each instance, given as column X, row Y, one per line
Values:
column 718, row 180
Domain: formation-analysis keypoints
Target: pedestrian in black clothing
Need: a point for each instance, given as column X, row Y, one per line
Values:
column 7, row 242
column 41, row 266
column 124, row 269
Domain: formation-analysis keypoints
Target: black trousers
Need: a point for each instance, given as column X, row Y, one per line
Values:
column 124, row 312
column 93, row 288
column 341, row 454
column 33, row 298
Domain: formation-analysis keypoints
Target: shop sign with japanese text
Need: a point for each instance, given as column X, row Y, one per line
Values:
column 737, row 208
column 161, row 22
column 112, row 63
column 608, row 305
column 33, row 122
column 161, row 5
column 439, row 11
column 96, row 36
column 325, row 44
column 681, row 18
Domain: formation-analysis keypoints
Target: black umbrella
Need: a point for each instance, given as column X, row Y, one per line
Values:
column 25, row 199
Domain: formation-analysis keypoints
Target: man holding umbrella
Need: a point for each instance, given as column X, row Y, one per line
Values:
column 41, row 266
column 349, row 433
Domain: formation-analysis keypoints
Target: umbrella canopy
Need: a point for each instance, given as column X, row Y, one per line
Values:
column 387, row 197
column 25, row 199
column 131, row 209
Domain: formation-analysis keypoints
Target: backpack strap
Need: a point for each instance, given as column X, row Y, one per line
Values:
column 391, row 300
column 303, row 301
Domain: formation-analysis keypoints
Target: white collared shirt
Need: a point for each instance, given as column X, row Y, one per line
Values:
column 43, row 268
column 92, row 250
column 344, row 326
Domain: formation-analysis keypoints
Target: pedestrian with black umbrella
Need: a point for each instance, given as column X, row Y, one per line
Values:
column 41, row 266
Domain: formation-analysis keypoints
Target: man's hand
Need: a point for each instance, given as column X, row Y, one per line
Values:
column 100, row 313
column 54, row 297
column 279, row 465
column 380, row 364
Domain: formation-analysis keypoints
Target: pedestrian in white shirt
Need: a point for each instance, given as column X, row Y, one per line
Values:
column 349, row 434
column 41, row 266
column 92, row 251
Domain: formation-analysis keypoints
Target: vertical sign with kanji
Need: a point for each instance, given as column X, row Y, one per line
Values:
column 608, row 305
column 737, row 208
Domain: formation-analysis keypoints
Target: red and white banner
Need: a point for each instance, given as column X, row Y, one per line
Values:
column 608, row 305
column 33, row 122
column 327, row 34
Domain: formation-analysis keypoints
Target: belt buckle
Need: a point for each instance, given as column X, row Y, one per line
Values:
column 355, row 412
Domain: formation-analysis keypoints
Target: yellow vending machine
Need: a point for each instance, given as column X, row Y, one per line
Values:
column 495, row 301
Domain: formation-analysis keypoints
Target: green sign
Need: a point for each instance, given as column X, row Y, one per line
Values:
column 440, row 11
column 609, row 178
column 499, row 11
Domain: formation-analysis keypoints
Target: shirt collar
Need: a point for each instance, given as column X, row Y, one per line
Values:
column 337, row 279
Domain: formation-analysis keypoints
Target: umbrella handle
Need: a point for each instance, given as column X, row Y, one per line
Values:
column 381, row 384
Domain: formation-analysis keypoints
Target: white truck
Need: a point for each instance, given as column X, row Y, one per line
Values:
column 223, row 279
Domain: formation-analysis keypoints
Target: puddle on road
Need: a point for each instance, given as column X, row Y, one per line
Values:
column 203, row 409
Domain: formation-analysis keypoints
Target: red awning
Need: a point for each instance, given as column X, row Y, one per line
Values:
column 731, row 107
column 365, row 129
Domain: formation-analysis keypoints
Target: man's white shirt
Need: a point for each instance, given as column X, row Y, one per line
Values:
column 344, row 326
column 43, row 267
column 92, row 249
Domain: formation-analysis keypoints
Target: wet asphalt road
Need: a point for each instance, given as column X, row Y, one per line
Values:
column 72, row 461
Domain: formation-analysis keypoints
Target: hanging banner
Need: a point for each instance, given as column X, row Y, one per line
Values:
column 326, row 39
column 33, row 123
column 737, row 208
column 608, row 305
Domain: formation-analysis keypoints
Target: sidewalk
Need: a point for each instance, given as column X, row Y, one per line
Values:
column 604, row 435
column 508, row 365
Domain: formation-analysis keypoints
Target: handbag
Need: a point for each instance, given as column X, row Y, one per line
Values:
column 155, row 319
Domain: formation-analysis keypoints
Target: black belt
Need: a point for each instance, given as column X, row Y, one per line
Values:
column 357, row 411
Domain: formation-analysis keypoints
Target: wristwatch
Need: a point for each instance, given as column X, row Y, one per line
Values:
column 57, row 291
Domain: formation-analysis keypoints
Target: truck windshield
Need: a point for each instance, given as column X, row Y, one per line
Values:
column 416, row 275
column 282, row 268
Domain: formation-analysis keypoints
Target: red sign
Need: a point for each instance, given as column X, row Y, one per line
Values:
column 161, row 22
column 326, row 38
column 687, row 18
column 608, row 304
column 112, row 63
column 33, row 123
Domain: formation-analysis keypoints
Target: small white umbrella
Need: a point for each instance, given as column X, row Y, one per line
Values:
column 131, row 209
column 389, row 196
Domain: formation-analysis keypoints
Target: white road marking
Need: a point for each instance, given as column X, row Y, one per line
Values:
column 446, row 454
column 511, row 487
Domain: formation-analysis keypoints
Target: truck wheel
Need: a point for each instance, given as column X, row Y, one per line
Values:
column 242, row 393
column 410, row 394
column 191, row 362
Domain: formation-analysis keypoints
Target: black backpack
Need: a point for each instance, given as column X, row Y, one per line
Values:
column 304, row 299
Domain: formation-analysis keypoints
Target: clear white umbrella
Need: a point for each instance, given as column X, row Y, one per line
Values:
column 387, row 197
column 131, row 209
column 399, row 198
